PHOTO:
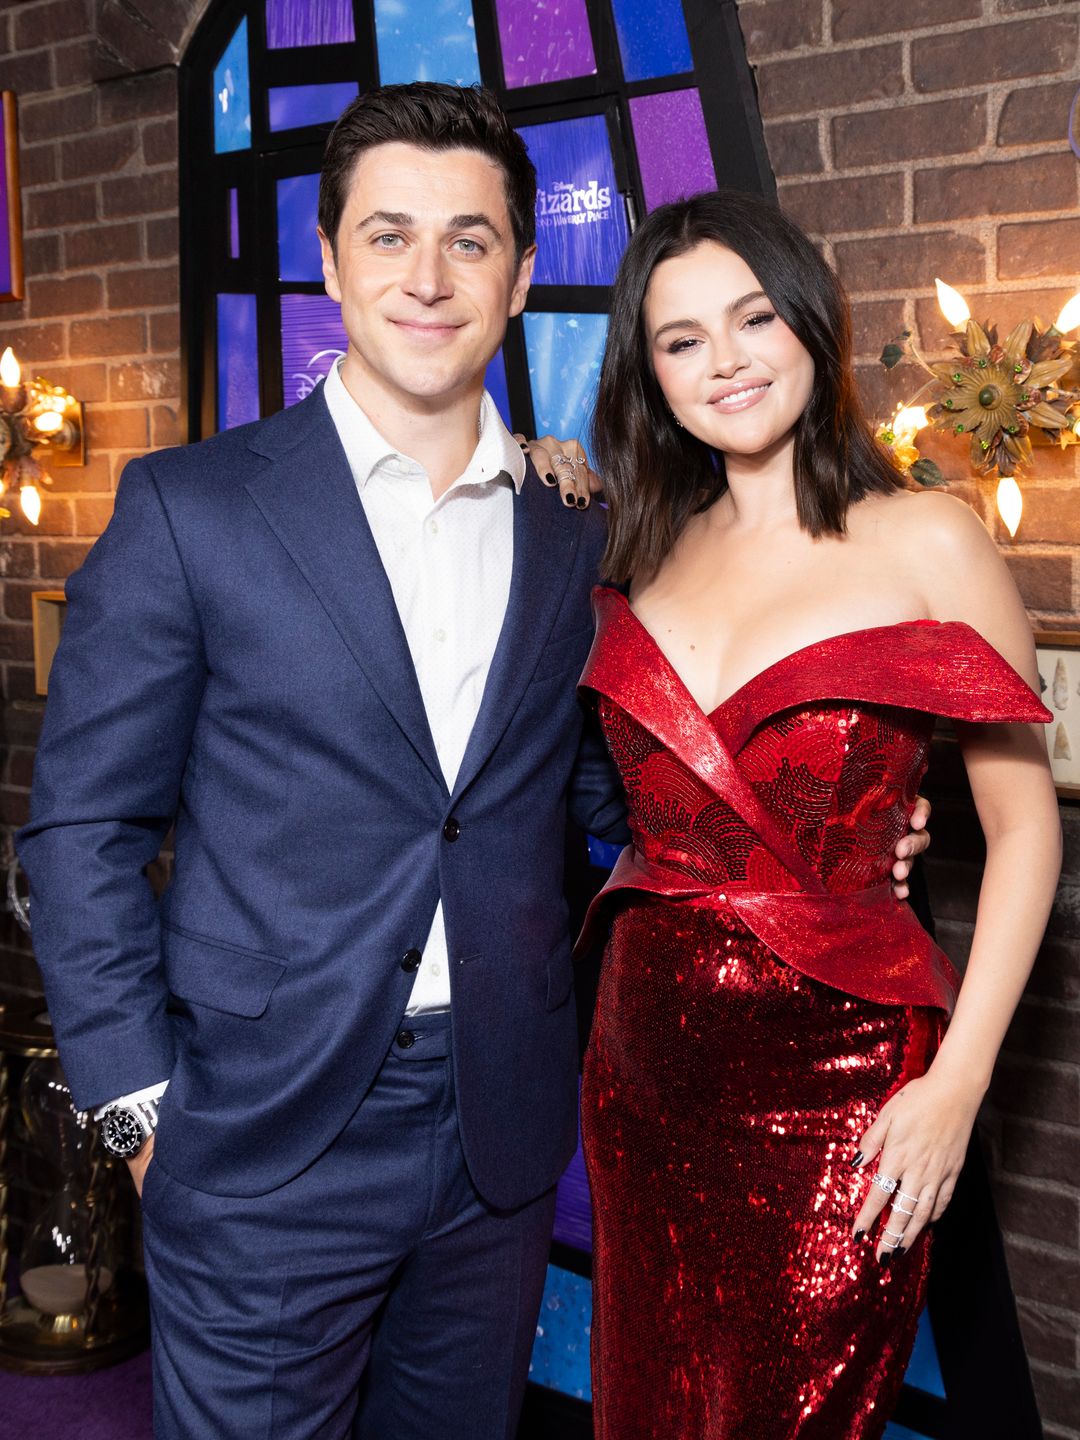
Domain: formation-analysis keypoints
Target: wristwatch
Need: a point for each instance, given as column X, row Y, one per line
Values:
column 125, row 1129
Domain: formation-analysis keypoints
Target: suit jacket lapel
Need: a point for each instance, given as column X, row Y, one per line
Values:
column 308, row 498
column 546, row 538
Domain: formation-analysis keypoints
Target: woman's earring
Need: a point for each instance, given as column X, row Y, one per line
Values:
column 674, row 417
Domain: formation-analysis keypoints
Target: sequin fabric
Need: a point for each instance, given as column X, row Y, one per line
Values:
column 726, row 1083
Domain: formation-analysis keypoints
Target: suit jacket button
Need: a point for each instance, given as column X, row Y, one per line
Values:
column 410, row 961
column 451, row 830
column 406, row 1039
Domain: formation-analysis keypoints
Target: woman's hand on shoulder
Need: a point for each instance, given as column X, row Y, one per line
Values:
column 563, row 463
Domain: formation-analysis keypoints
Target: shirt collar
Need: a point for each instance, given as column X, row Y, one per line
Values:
column 496, row 453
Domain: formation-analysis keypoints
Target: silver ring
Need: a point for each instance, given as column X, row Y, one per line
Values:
column 885, row 1182
column 895, row 1244
column 899, row 1208
column 567, row 460
column 896, row 1234
column 559, row 459
column 903, row 1195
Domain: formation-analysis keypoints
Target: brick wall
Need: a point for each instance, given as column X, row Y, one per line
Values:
column 917, row 138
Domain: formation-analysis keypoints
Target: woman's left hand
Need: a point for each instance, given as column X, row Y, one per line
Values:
column 919, row 1140
column 565, row 464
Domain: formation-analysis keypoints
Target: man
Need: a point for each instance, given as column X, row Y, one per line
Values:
column 340, row 648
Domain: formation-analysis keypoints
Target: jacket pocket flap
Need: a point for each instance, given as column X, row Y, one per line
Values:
column 205, row 972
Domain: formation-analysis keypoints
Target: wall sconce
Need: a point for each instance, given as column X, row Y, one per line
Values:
column 35, row 415
column 1001, row 396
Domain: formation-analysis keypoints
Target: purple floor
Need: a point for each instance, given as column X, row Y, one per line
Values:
column 109, row 1404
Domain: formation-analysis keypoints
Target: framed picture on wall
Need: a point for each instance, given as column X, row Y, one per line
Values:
column 11, row 252
column 1059, row 676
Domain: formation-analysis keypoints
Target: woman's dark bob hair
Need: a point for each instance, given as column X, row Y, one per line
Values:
column 656, row 474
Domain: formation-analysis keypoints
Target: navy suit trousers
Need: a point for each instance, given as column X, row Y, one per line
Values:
column 374, row 1296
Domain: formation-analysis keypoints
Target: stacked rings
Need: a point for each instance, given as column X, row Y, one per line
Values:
column 885, row 1182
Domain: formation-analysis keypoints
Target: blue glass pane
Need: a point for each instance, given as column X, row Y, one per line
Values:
column 308, row 22
column 560, row 1357
column 439, row 46
column 232, row 95
column 581, row 226
column 573, row 1207
column 234, row 225
column 652, row 38
column 495, row 385
column 299, row 252
column 237, row 361
column 893, row 1431
column 602, row 854
column 564, row 354
column 294, row 105
column 924, row 1371
column 312, row 339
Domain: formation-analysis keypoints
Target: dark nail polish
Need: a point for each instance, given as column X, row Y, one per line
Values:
column 581, row 502
column 524, row 446
column 549, row 479
column 856, row 1159
column 901, row 1250
column 885, row 1259
column 860, row 1234
column 569, row 500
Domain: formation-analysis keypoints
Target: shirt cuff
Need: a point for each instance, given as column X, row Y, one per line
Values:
column 150, row 1092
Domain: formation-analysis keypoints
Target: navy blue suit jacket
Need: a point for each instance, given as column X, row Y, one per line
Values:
column 233, row 660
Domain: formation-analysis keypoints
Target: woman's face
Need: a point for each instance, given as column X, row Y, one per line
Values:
column 731, row 370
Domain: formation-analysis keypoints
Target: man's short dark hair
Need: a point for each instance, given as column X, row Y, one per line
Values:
column 432, row 117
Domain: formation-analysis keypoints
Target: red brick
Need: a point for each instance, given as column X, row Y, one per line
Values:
column 163, row 238
column 794, row 147
column 17, row 604
column 117, row 429
column 167, row 427
column 88, row 383
column 1044, row 581
column 165, row 333
column 64, row 205
column 1051, row 512
column 48, row 119
column 92, row 515
column 101, row 153
column 1010, row 187
column 831, row 207
column 149, row 380
column 102, row 245
column 19, row 683
column 139, row 194
column 1042, row 1273
column 77, row 63
column 41, row 254
column 139, row 97
column 27, row 73
column 1048, row 1337
column 1005, row 52
column 20, row 768
column 18, row 560
column 14, row 807
column 118, row 335
column 908, row 262
column 874, row 323
column 863, row 19
column 1035, row 249
column 16, row 642
column 93, row 477
column 46, row 24
column 1037, row 1212
column 144, row 289
column 794, row 87
column 1058, row 1395
column 1036, row 113
column 1038, row 1089
column 58, row 561
column 38, row 166
column 159, row 142
column 74, row 296
column 912, row 132
column 57, row 515
column 135, row 47
column 34, row 344
column 1004, row 308
column 772, row 25
column 1049, row 1030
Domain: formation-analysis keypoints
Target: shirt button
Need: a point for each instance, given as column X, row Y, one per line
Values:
column 410, row 961
column 433, row 526
column 440, row 635
column 406, row 1039
column 436, row 968
column 451, row 830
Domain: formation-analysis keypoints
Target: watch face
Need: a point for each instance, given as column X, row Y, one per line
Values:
column 121, row 1133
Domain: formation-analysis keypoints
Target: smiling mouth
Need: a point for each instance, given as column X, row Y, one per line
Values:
column 417, row 327
column 740, row 399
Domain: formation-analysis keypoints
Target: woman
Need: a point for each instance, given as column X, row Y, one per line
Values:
column 773, row 1111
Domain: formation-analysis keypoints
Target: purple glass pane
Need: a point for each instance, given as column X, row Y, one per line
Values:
column 580, row 220
column 544, row 42
column 573, row 1208
column 312, row 339
column 237, row 361
column 495, row 385
column 299, row 252
column 673, row 148
column 308, row 22
column 234, row 224
column 294, row 105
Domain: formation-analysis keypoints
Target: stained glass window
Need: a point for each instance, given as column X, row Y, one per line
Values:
column 294, row 105
column 495, row 385
column 308, row 22
column 673, row 148
column 299, row 252
column 312, row 339
column 237, row 361
column 560, row 1357
column 573, row 1207
column 564, row 354
column 581, row 228
column 443, row 47
column 234, row 224
column 543, row 42
column 652, row 38
column 232, row 95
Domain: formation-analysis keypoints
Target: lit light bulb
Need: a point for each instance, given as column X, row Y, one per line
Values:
column 1010, row 503
column 1069, row 318
column 10, row 369
column 48, row 422
column 909, row 420
column 30, row 500
column 953, row 305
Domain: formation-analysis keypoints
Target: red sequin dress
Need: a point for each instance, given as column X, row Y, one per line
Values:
column 762, row 995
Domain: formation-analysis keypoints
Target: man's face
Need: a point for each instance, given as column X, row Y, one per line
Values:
column 425, row 271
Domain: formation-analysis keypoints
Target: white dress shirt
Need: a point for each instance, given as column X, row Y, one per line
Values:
column 448, row 562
